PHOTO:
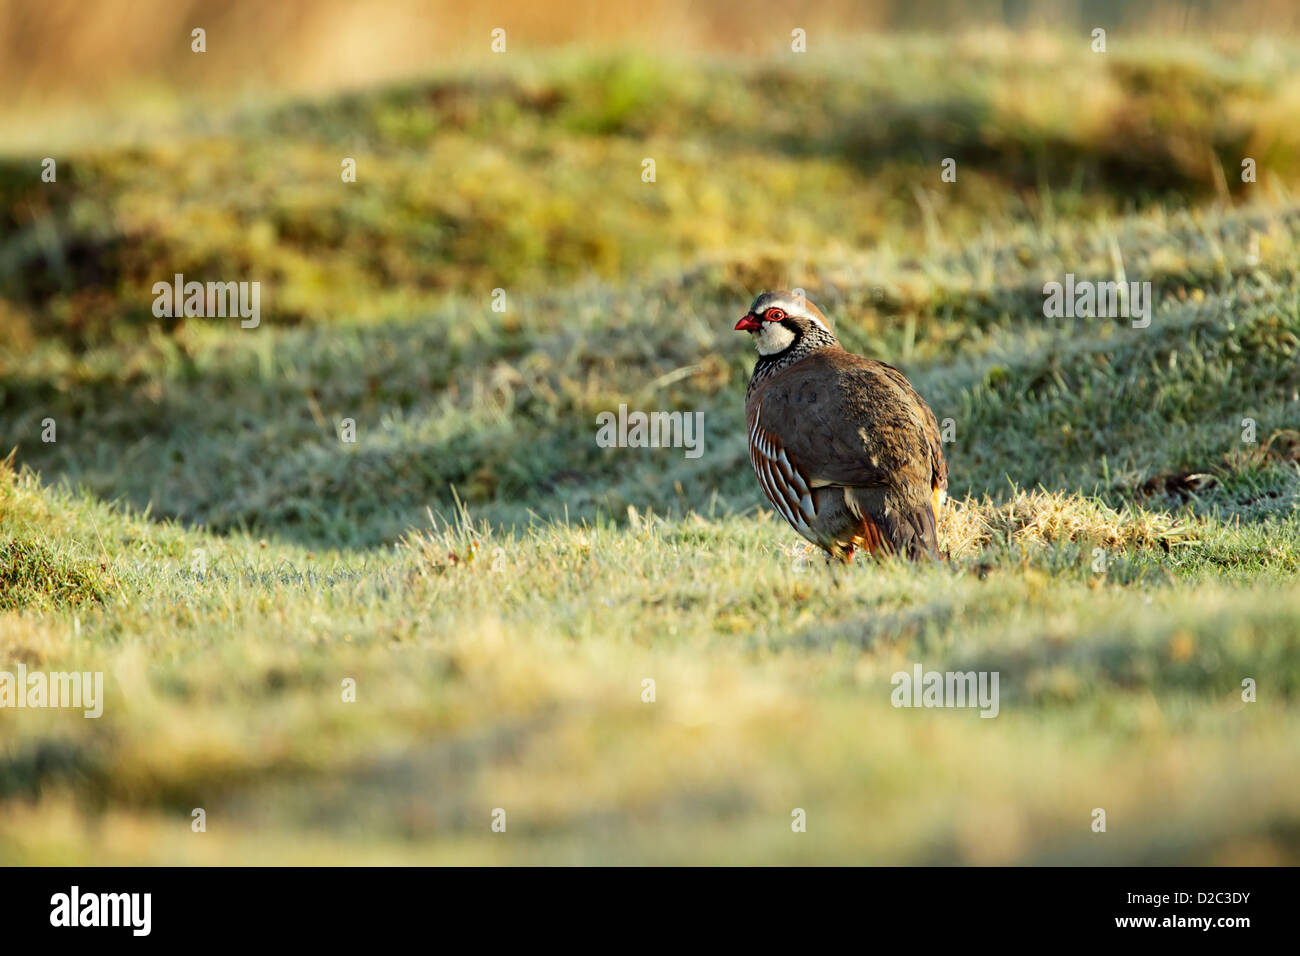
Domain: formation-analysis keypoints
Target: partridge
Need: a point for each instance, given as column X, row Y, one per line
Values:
column 843, row 446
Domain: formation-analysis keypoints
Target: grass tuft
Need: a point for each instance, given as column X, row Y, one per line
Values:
column 1043, row 518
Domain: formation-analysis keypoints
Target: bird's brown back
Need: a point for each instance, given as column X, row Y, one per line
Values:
column 852, row 421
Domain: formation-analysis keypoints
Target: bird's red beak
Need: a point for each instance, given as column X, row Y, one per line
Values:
column 748, row 322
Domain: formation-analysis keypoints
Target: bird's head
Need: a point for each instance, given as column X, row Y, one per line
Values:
column 779, row 320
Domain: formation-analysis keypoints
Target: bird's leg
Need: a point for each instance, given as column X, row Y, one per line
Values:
column 837, row 559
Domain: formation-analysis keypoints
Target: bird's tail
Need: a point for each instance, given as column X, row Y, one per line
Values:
column 891, row 525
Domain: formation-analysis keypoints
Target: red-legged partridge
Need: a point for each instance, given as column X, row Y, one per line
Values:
column 843, row 446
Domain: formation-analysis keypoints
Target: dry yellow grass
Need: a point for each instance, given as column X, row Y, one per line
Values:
column 1049, row 518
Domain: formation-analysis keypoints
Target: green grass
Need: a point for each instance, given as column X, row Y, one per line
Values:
column 200, row 533
column 33, row 575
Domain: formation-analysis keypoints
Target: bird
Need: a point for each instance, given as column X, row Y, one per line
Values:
column 844, row 448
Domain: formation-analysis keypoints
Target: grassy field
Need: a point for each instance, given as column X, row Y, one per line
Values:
column 499, row 587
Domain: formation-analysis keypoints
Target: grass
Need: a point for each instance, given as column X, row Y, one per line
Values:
column 199, row 532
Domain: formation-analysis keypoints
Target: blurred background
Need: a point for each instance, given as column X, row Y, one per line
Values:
column 522, row 171
column 65, row 51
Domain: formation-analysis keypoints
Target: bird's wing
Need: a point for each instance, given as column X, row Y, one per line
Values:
column 930, row 429
column 849, row 421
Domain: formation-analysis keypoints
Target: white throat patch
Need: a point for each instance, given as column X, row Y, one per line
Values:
column 773, row 337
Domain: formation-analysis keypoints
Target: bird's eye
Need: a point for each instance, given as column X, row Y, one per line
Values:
column 774, row 315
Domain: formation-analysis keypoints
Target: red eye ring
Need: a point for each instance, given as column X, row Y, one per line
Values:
column 774, row 315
